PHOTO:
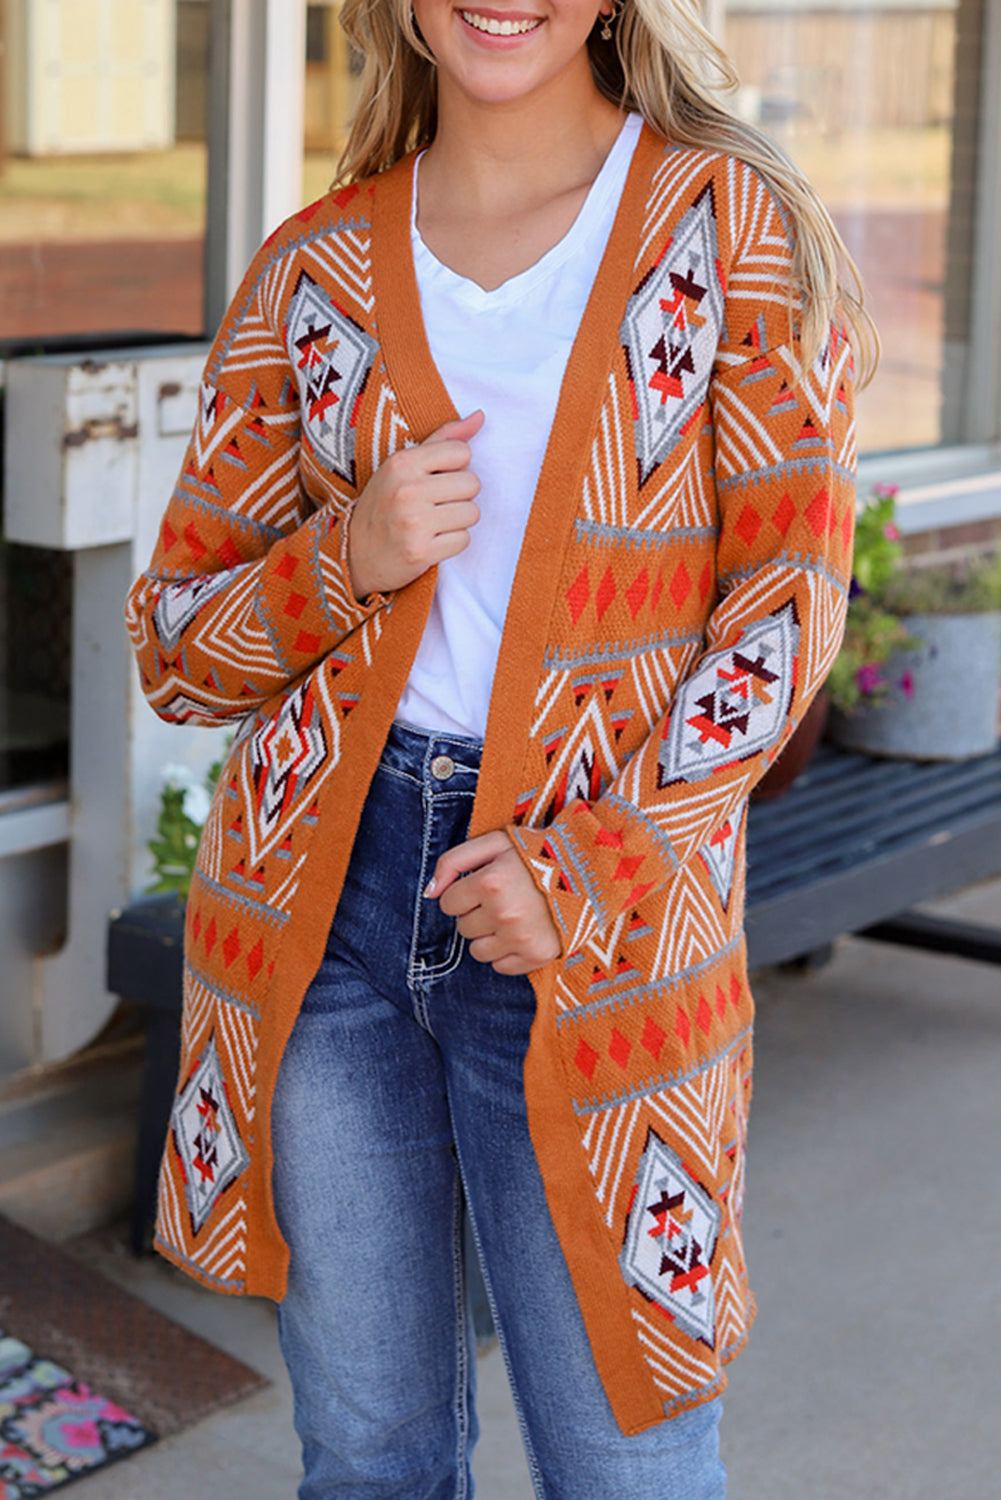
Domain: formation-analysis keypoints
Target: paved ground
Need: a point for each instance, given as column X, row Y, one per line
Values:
column 874, row 1238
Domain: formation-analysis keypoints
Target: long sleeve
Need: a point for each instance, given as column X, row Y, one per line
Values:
column 783, row 465
column 248, row 585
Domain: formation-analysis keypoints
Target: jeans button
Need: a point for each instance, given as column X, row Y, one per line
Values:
column 442, row 767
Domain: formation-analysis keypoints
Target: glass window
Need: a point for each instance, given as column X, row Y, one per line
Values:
column 102, row 227
column 332, row 74
column 878, row 101
column 36, row 607
column 102, row 168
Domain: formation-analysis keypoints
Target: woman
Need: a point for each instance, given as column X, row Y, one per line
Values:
column 514, row 535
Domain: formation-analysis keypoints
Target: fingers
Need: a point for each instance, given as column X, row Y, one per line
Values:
column 463, row 429
column 471, row 855
column 455, row 515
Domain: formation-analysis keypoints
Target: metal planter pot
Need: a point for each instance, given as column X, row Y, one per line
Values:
column 944, row 698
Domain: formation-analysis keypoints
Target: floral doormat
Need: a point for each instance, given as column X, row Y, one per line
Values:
column 70, row 1332
column 54, row 1429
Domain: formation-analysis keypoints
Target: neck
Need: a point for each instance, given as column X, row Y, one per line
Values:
column 501, row 154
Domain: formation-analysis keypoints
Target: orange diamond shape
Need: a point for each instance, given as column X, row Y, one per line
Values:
column 748, row 525
column 605, row 594
column 704, row 1015
column 653, row 1037
column 681, row 585
column 586, row 1059
column 784, row 516
column 231, row 947
column 682, row 1026
column 819, row 513
column 295, row 604
column 255, row 958
column 619, row 1048
column 578, row 594
column 637, row 592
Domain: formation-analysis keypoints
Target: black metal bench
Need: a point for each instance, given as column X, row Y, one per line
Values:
column 852, row 846
column 856, row 842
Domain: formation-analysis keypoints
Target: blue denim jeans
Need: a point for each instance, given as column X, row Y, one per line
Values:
column 400, row 1096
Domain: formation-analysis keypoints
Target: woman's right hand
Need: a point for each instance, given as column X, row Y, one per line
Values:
column 416, row 510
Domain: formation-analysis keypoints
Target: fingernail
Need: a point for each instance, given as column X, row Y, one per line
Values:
column 431, row 887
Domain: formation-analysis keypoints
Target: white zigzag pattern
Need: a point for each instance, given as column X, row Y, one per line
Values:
column 696, row 1111
column 224, row 1251
column 736, row 428
column 211, row 845
column 731, row 1304
column 671, row 183
column 674, row 1370
column 275, row 497
column 231, row 634
column 199, row 1012
column 350, row 268
column 695, row 928
column 828, row 609
column 616, row 1157
column 605, row 487
column 238, row 1033
column 683, row 499
column 283, row 895
column 340, row 603
column 390, row 431
column 170, row 1225
column 210, row 435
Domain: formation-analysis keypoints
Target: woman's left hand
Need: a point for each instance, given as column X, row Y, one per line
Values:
column 500, row 910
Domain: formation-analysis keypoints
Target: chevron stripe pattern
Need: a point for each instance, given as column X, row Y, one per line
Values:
column 696, row 606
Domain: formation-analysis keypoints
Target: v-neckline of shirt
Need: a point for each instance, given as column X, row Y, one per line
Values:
column 469, row 291
column 425, row 405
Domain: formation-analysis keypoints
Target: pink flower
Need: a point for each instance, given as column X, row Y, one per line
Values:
column 885, row 491
column 869, row 678
column 906, row 684
column 890, row 532
column 82, row 1435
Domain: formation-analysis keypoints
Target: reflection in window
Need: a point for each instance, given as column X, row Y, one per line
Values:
column 877, row 100
column 333, row 72
column 102, row 167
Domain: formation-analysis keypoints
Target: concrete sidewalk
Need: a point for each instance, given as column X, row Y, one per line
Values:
column 874, row 1240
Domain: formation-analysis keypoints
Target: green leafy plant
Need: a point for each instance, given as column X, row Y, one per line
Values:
column 184, row 807
column 885, row 592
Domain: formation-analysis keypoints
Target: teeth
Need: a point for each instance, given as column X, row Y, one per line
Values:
column 498, row 28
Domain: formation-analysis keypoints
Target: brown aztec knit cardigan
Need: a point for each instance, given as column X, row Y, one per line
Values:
column 679, row 598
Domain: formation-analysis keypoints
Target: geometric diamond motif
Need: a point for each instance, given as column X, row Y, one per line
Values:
column 285, row 754
column 332, row 357
column 670, row 1238
column 179, row 603
column 206, row 1138
column 735, row 704
column 670, row 331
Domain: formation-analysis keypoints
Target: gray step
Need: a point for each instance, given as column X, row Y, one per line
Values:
column 67, row 1146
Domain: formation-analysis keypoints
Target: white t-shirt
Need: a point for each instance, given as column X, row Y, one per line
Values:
column 506, row 351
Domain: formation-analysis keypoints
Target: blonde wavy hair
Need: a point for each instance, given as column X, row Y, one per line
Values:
column 667, row 66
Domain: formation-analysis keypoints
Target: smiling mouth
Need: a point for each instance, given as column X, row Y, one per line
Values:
column 499, row 28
